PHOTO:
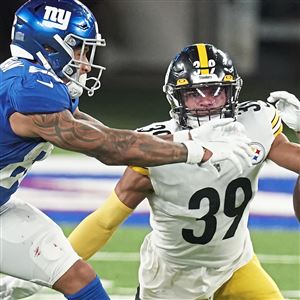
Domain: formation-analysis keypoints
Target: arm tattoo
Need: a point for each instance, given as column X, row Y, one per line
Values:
column 62, row 130
column 79, row 115
column 111, row 146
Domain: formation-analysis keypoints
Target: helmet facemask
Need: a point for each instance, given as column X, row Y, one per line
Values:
column 195, row 115
column 71, row 71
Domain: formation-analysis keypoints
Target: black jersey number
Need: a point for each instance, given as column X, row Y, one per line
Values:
column 245, row 106
column 230, row 210
column 158, row 129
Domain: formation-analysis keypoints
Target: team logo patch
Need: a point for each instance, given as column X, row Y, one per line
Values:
column 56, row 17
column 259, row 152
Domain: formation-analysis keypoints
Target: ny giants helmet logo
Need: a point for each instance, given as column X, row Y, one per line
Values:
column 56, row 18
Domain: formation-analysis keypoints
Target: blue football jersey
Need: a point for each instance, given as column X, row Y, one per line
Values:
column 26, row 88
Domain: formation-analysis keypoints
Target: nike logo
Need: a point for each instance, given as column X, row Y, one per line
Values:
column 48, row 84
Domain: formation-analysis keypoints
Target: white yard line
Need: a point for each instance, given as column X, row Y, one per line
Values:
column 279, row 259
column 291, row 295
column 116, row 256
column 134, row 256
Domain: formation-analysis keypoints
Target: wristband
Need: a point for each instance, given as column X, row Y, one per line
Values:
column 195, row 152
column 181, row 136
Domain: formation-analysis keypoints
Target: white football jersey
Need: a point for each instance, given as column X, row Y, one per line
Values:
column 199, row 219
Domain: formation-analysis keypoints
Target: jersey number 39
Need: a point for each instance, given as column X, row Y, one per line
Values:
column 230, row 210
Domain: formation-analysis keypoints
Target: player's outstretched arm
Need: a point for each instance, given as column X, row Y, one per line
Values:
column 296, row 199
column 97, row 228
column 111, row 146
column 120, row 147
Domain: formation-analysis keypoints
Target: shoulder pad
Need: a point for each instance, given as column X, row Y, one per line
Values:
column 261, row 110
column 39, row 92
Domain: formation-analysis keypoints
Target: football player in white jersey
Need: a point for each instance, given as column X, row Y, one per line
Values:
column 199, row 247
column 53, row 48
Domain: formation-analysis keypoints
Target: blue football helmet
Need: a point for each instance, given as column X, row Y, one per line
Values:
column 48, row 31
column 200, row 69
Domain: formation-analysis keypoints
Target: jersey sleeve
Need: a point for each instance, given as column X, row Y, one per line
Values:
column 262, row 122
column 158, row 128
column 40, row 93
column 273, row 119
column 276, row 123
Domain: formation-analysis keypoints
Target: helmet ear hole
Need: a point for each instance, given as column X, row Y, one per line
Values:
column 49, row 49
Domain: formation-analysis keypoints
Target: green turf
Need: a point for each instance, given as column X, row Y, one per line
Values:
column 287, row 276
column 124, row 274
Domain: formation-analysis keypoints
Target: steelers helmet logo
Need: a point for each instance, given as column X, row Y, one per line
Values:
column 259, row 152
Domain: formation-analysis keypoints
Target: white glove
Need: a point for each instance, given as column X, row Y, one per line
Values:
column 203, row 132
column 233, row 148
column 289, row 107
column 13, row 288
column 226, row 139
column 211, row 130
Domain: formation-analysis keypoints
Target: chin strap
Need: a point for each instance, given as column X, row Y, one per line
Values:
column 44, row 61
column 76, row 90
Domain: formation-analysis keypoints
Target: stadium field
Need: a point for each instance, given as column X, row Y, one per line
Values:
column 117, row 263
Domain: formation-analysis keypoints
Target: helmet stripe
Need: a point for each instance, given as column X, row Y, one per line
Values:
column 202, row 53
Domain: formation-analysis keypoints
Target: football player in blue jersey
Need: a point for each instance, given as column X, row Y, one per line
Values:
column 53, row 47
column 199, row 247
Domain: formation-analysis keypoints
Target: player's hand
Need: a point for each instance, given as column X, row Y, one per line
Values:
column 15, row 288
column 198, row 135
column 289, row 107
column 233, row 148
column 227, row 140
column 211, row 128
column 205, row 131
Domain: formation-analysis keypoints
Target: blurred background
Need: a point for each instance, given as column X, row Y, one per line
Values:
column 142, row 36
column 261, row 36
